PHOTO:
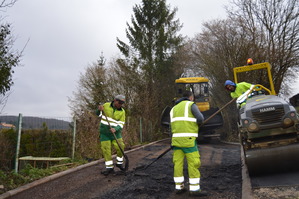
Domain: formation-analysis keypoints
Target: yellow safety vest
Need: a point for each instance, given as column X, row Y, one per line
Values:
column 183, row 125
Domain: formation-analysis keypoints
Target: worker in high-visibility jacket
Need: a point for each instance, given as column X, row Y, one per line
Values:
column 116, row 118
column 240, row 90
column 185, row 119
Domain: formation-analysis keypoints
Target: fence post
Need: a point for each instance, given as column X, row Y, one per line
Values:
column 74, row 139
column 18, row 143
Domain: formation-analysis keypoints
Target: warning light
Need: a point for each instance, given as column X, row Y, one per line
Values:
column 249, row 61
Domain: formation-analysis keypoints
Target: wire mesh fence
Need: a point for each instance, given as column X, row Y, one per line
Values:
column 61, row 137
column 36, row 122
column 27, row 136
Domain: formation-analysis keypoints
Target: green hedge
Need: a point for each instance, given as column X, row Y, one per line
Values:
column 35, row 142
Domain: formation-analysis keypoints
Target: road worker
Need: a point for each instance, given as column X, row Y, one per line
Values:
column 239, row 90
column 116, row 118
column 185, row 119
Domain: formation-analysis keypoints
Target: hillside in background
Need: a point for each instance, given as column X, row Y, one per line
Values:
column 29, row 122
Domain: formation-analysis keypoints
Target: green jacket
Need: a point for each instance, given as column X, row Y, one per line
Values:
column 241, row 88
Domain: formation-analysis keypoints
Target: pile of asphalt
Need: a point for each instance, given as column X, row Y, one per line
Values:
column 220, row 181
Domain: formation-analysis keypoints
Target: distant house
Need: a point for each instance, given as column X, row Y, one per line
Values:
column 4, row 125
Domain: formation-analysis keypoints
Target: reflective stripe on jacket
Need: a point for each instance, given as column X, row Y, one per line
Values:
column 183, row 123
column 242, row 98
column 116, row 117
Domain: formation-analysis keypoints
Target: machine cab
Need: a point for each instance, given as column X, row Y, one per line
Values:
column 199, row 86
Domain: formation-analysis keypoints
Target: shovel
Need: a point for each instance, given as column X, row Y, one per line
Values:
column 144, row 167
column 125, row 156
column 168, row 149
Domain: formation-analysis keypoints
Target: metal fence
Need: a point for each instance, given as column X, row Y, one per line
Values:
column 41, row 127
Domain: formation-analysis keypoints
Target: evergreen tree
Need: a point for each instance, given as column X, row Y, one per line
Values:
column 152, row 36
column 153, row 42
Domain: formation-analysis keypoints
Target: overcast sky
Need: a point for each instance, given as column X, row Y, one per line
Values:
column 65, row 36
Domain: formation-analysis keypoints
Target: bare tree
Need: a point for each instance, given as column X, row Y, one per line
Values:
column 221, row 46
column 91, row 90
column 262, row 30
column 3, row 101
column 7, row 3
column 273, row 27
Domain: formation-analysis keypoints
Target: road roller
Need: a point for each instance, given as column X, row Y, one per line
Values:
column 268, row 127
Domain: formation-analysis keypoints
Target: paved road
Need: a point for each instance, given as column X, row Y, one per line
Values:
column 221, row 177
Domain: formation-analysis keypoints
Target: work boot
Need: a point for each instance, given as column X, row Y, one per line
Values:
column 198, row 193
column 107, row 171
column 180, row 191
column 120, row 166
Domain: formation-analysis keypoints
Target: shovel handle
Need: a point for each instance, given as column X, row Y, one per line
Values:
column 123, row 153
column 234, row 99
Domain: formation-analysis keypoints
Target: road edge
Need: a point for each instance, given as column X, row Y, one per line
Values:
column 246, row 183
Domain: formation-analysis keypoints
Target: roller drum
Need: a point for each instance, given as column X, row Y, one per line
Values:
column 270, row 160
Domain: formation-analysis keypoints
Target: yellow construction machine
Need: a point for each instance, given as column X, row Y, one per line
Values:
column 199, row 86
column 268, row 126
